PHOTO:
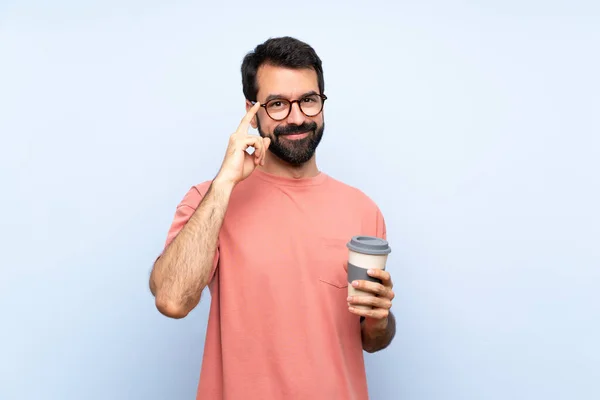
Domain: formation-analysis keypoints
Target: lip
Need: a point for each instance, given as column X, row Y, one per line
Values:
column 296, row 136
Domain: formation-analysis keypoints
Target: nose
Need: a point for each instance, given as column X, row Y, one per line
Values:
column 296, row 116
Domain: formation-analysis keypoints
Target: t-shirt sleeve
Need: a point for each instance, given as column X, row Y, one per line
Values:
column 380, row 228
column 184, row 211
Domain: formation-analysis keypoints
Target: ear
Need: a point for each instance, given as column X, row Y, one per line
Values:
column 253, row 122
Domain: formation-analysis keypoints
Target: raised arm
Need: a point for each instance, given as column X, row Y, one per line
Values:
column 182, row 272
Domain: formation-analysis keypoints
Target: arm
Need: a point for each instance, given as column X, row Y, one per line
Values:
column 378, row 324
column 182, row 272
column 376, row 336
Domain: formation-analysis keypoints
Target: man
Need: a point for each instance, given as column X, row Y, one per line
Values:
column 268, row 236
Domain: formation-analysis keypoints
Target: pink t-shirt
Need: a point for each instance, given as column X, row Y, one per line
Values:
column 279, row 325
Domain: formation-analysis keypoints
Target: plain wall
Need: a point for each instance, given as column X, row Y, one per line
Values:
column 475, row 127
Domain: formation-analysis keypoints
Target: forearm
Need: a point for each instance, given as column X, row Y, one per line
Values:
column 376, row 336
column 182, row 272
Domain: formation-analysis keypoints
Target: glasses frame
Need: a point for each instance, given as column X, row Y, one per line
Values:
column 322, row 96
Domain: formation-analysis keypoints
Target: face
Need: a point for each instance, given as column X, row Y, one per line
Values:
column 295, row 138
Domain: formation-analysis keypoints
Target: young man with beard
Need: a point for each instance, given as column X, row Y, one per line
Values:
column 268, row 236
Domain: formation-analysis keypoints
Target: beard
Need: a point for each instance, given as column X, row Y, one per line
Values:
column 294, row 152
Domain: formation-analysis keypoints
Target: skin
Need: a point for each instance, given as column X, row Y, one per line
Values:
column 181, row 273
column 379, row 326
column 291, row 84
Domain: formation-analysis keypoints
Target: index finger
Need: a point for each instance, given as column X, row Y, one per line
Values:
column 245, row 124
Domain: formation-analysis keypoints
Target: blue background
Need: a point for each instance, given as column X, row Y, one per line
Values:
column 474, row 125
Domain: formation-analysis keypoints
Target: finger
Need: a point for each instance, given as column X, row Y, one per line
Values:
column 259, row 151
column 384, row 276
column 258, row 157
column 376, row 313
column 245, row 123
column 266, row 144
column 375, row 302
column 372, row 287
column 255, row 142
column 261, row 159
column 249, row 141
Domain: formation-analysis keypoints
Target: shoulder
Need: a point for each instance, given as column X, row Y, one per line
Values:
column 194, row 195
column 352, row 193
column 361, row 204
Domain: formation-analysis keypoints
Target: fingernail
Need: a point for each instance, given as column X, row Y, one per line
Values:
column 355, row 283
column 349, row 298
column 370, row 272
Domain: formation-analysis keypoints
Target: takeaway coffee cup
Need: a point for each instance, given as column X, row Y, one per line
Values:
column 365, row 252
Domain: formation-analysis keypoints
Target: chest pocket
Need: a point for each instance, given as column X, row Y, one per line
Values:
column 333, row 258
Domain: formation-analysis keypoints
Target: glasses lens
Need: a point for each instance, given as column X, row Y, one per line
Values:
column 311, row 105
column 278, row 109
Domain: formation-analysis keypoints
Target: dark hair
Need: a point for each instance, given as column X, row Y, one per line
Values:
column 285, row 52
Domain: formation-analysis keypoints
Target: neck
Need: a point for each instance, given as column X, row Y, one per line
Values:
column 278, row 167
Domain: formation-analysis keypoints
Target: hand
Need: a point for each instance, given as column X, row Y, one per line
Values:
column 238, row 164
column 381, row 303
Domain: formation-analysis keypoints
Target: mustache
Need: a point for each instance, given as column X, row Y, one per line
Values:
column 295, row 129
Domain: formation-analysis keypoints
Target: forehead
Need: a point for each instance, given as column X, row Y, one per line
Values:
column 287, row 82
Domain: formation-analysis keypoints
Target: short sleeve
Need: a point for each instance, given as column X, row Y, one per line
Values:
column 380, row 228
column 184, row 211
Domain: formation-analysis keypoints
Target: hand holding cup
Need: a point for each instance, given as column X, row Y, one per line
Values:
column 370, row 292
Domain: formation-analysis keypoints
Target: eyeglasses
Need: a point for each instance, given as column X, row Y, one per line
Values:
column 279, row 109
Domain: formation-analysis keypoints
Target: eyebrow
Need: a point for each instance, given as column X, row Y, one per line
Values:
column 282, row 97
